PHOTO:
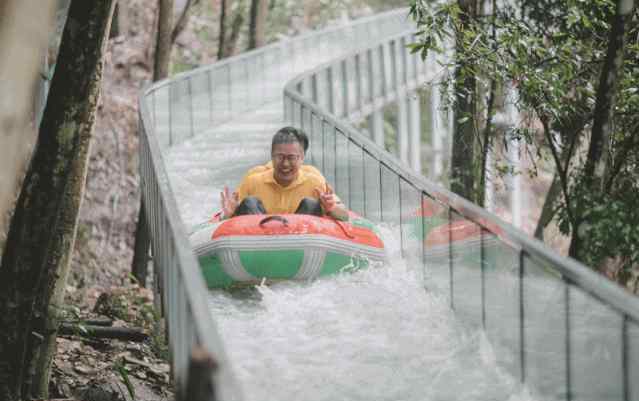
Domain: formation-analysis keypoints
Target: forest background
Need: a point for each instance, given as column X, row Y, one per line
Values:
column 583, row 124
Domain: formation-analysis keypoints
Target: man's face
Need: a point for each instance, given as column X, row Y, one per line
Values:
column 287, row 159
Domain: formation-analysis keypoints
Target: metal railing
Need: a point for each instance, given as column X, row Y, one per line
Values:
column 561, row 329
column 173, row 111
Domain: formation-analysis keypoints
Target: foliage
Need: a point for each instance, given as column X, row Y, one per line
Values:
column 607, row 226
column 120, row 367
column 551, row 52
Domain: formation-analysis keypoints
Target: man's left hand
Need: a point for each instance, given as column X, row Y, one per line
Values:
column 326, row 198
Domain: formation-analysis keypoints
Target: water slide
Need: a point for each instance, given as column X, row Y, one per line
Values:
column 491, row 315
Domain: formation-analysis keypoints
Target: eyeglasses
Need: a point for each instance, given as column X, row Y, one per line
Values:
column 292, row 158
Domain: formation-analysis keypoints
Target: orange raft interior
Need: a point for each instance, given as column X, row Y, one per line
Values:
column 252, row 248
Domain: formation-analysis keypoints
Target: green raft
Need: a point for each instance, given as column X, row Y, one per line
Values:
column 248, row 250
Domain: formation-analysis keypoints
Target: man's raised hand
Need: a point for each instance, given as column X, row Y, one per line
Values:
column 326, row 198
column 230, row 201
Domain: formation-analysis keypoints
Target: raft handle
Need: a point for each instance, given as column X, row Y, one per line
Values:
column 276, row 218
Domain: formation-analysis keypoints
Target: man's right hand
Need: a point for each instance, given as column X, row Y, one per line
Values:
column 230, row 201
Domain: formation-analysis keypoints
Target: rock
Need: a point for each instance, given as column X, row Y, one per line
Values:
column 100, row 391
column 82, row 369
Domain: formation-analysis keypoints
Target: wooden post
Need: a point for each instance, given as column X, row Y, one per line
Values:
column 199, row 385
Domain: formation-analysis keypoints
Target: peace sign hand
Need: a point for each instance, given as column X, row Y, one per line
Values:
column 326, row 198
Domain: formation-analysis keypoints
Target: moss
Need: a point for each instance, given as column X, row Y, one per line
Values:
column 66, row 135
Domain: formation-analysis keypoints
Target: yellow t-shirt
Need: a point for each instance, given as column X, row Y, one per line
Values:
column 268, row 166
column 276, row 198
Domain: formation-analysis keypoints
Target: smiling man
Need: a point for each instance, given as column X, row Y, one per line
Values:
column 286, row 187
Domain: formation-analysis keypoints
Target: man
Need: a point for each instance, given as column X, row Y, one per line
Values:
column 287, row 186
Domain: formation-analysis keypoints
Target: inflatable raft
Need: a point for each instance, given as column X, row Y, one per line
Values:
column 253, row 248
column 461, row 239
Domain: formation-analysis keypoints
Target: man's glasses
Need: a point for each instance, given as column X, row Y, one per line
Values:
column 290, row 158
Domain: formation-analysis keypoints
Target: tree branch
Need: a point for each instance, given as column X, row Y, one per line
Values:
column 92, row 331
column 563, row 177
column 182, row 20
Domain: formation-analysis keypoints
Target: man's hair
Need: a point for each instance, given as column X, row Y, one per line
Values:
column 290, row 135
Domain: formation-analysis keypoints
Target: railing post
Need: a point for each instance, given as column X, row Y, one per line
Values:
column 371, row 77
column 314, row 91
column 330, row 93
column 450, row 261
column 263, row 98
column 415, row 132
column 209, row 81
column 522, row 325
column 625, row 355
column 377, row 127
column 358, row 82
column 199, row 385
column 169, row 90
column 414, row 57
column 403, row 52
column 191, row 111
column 344, row 84
column 482, row 259
column 247, row 94
column 567, row 344
column 393, row 59
column 229, row 89
column 437, row 133
column 383, row 71
column 402, row 127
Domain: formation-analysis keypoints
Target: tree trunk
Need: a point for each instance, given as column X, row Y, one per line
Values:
column 24, row 30
column 548, row 209
column 163, row 40
column 115, row 23
column 43, row 228
column 182, row 20
column 490, row 110
column 257, row 25
column 486, row 145
column 596, row 163
column 162, row 61
column 462, row 161
column 221, row 43
column 236, row 25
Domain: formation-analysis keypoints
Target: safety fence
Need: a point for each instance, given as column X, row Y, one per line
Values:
column 173, row 111
column 564, row 331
